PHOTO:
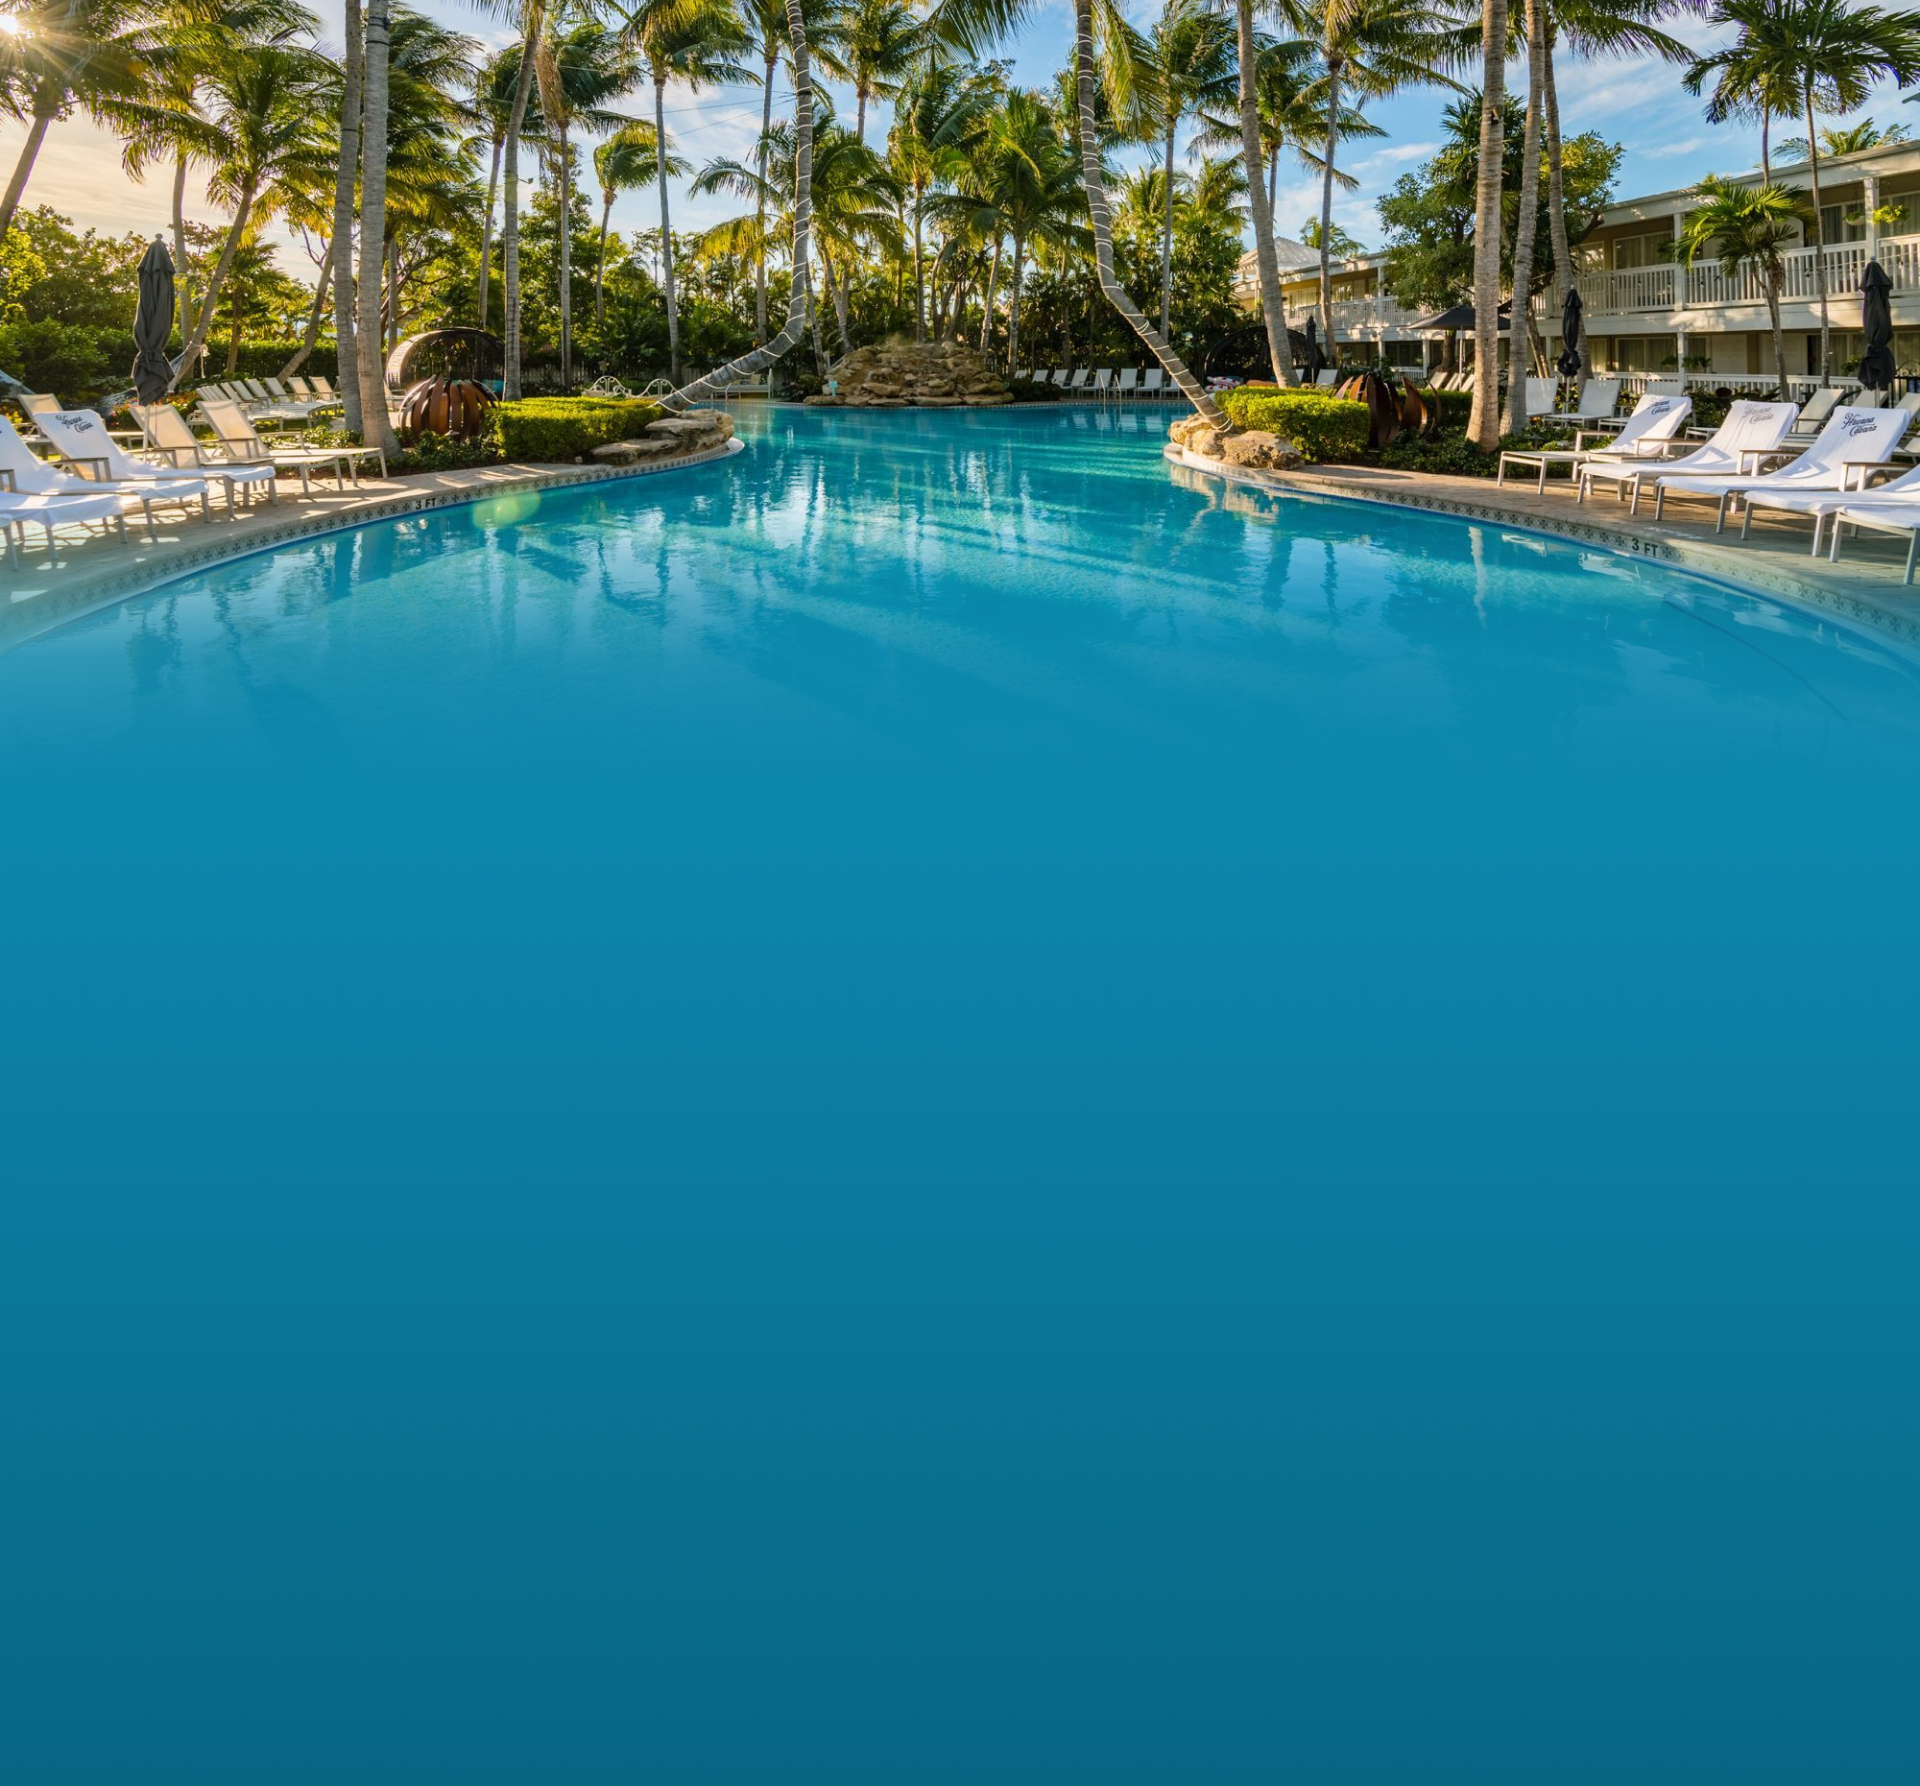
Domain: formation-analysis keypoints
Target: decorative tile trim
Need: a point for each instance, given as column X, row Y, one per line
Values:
column 1762, row 578
column 40, row 614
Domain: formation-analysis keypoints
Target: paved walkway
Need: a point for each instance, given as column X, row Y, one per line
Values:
column 91, row 573
column 1866, row 588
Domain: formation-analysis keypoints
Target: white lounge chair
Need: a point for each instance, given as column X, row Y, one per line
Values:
column 1080, row 378
column 1666, row 387
column 1821, row 505
column 169, row 437
column 1820, row 404
column 244, row 445
column 1649, row 434
column 305, row 390
column 324, row 387
column 1103, row 381
column 1751, row 434
column 1852, row 442
column 1129, row 385
column 1595, row 405
column 1326, row 378
column 1060, row 376
column 81, row 439
column 1543, row 396
column 1881, row 511
column 19, row 512
column 1154, row 384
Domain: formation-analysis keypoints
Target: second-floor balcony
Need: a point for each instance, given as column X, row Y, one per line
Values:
column 1669, row 290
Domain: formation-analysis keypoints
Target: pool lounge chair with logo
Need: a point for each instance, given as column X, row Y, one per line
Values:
column 1881, row 511
column 82, row 441
column 169, row 437
column 244, row 444
column 1846, row 449
column 1902, row 496
column 1750, row 435
column 1649, row 434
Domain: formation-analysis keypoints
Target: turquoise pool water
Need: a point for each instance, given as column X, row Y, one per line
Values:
column 932, row 1108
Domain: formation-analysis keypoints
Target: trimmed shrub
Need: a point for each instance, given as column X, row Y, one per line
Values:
column 1453, row 455
column 1322, row 427
column 558, row 430
column 1031, row 390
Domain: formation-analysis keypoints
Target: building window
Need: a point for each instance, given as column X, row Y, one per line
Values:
column 1643, row 251
column 1643, row 353
column 1843, row 223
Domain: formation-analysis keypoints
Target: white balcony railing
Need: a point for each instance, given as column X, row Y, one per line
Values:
column 1665, row 289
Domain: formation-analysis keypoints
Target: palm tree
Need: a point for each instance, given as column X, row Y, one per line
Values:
column 94, row 55
column 766, row 24
column 376, row 427
column 1020, row 184
column 1753, row 73
column 1483, row 423
column 346, row 181
column 1094, row 175
column 1369, row 49
column 576, row 70
column 529, row 24
column 1845, row 139
column 1748, row 231
column 938, row 113
column 790, row 332
column 493, row 93
column 1831, row 53
column 625, row 162
column 694, row 41
column 875, row 44
column 1592, row 29
column 1526, row 223
column 1193, row 57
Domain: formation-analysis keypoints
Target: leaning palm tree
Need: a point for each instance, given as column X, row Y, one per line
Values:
column 1747, row 231
column 694, row 41
column 1087, row 82
column 765, row 355
column 376, row 428
column 1193, row 58
column 94, row 56
column 1483, row 423
column 627, row 161
column 876, row 45
column 1526, row 222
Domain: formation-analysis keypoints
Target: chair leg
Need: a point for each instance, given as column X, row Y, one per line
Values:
column 1913, row 552
column 146, row 505
column 1746, row 521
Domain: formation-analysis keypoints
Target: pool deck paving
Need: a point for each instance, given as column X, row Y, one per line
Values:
column 1866, row 589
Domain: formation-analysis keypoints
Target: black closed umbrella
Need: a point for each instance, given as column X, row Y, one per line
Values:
column 1876, row 320
column 1315, row 359
column 1568, row 363
column 153, row 325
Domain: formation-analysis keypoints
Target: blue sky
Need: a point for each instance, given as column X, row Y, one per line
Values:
column 1639, row 103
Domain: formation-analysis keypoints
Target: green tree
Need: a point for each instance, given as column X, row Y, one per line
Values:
column 1195, row 66
column 1747, row 230
column 875, row 44
column 627, row 161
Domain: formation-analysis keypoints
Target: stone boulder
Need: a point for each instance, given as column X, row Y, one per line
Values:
column 901, row 374
column 1261, row 450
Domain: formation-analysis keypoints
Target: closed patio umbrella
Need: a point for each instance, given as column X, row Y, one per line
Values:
column 153, row 325
column 1876, row 321
column 1315, row 359
column 1568, row 363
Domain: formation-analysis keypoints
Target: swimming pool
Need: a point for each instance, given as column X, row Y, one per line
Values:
column 931, row 1107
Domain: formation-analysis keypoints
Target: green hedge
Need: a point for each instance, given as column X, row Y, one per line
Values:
column 1322, row 427
column 550, row 430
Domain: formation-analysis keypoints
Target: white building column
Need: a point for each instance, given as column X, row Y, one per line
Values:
column 1870, row 203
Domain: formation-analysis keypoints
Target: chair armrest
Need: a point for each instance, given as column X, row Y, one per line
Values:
column 97, row 470
column 6, row 481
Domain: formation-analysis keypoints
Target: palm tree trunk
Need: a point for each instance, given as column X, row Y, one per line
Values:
column 510, row 213
column 760, row 202
column 1483, row 427
column 1273, row 307
column 486, row 233
column 986, row 309
column 375, row 428
column 600, row 264
column 919, row 265
column 566, row 261
column 860, row 115
column 666, row 225
column 1766, row 148
column 1526, row 225
column 836, row 298
column 1326, row 203
column 1013, row 307
column 1273, row 175
column 1563, row 269
column 184, row 281
column 345, row 177
column 1819, row 239
column 29, row 152
column 314, row 314
column 236, row 233
column 761, row 357
column 1166, row 235
column 1779, row 334
column 1097, row 206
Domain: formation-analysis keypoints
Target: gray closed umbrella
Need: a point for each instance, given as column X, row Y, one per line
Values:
column 153, row 325
column 1568, row 363
column 1876, row 321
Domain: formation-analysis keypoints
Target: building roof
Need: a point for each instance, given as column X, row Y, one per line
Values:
column 1291, row 255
